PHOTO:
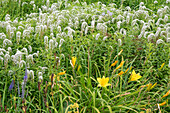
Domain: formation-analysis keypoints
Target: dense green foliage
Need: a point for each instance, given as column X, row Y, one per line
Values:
column 50, row 38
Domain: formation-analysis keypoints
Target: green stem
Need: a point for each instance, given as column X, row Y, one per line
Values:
column 39, row 100
column 3, row 99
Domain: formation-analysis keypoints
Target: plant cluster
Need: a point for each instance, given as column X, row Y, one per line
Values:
column 75, row 57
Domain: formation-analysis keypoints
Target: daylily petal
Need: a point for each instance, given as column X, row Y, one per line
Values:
column 133, row 72
column 99, row 80
column 107, row 79
column 108, row 84
column 98, row 85
column 103, row 82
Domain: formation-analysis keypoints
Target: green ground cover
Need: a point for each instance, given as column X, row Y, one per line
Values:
column 84, row 56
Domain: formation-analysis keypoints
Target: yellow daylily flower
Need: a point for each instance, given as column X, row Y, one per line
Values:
column 103, row 82
column 134, row 76
column 114, row 63
column 73, row 61
column 166, row 94
column 120, row 73
column 62, row 73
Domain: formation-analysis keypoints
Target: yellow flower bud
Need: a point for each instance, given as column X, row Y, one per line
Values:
column 166, row 94
column 114, row 63
column 79, row 68
column 121, row 64
column 73, row 61
column 120, row 73
column 120, row 52
column 162, row 66
column 163, row 103
column 126, row 70
column 62, row 73
column 153, row 85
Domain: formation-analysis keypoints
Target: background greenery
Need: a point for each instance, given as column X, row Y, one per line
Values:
column 95, row 58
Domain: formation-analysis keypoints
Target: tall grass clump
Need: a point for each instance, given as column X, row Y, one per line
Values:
column 84, row 56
